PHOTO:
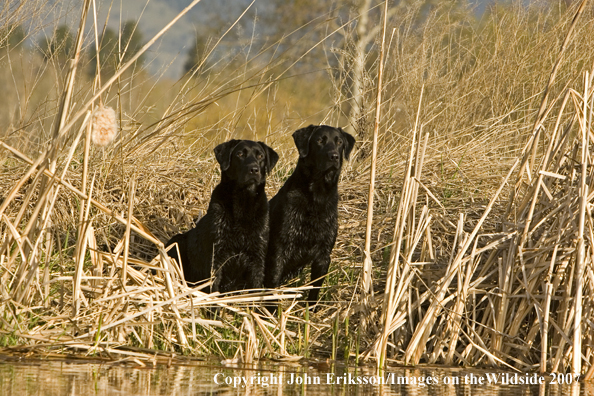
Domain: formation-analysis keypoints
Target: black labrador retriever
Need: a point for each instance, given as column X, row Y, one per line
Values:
column 304, row 212
column 229, row 243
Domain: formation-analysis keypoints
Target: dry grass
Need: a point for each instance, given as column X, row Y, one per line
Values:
column 467, row 269
column 504, row 297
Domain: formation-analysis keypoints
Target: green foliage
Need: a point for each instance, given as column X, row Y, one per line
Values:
column 108, row 53
column 60, row 46
column 132, row 41
column 12, row 37
column 116, row 49
column 197, row 54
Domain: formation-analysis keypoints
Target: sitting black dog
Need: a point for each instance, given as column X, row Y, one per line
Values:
column 304, row 212
column 229, row 243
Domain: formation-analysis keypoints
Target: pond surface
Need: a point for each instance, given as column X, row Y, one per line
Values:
column 56, row 378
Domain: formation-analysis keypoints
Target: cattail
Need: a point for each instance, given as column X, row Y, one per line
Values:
column 105, row 126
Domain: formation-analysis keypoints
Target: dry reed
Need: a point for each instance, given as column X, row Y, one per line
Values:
column 97, row 300
column 475, row 272
column 494, row 302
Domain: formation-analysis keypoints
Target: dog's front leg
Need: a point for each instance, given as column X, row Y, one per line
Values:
column 274, row 270
column 273, row 276
column 319, row 269
column 256, row 273
column 216, row 283
column 215, row 273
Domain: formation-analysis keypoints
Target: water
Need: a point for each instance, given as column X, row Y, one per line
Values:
column 56, row 378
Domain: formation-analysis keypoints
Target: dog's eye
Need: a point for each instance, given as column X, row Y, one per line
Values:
column 240, row 154
column 339, row 142
column 320, row 140
column 260, row 155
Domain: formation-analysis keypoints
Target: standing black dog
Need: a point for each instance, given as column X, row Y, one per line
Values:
column 304, row 212
column 230, row 241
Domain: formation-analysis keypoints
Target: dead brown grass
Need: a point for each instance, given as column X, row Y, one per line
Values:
column 82, row 264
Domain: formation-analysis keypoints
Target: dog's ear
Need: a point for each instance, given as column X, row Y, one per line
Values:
column 301, row 138
column 223, row 153
column 271, row 157
column 349, row 143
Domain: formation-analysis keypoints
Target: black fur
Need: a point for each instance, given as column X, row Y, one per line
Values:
column 304, row 212
column 230, row 241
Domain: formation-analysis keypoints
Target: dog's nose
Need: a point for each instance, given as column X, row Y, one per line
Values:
column 333, row 156
column 254, row 170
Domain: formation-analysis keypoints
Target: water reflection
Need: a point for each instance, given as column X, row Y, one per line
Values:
column 55, row 378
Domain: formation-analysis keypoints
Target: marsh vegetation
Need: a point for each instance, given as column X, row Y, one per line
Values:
column 482, row 233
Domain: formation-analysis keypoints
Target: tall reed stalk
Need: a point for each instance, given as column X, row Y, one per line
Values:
column 367, row 262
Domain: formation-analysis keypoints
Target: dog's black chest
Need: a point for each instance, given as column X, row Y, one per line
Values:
column 302, row 230
column 241, row 233
column 314, row 223
column 240, row 246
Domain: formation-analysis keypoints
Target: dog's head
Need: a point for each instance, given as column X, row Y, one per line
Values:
column 245, row 162
column 323, row 147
